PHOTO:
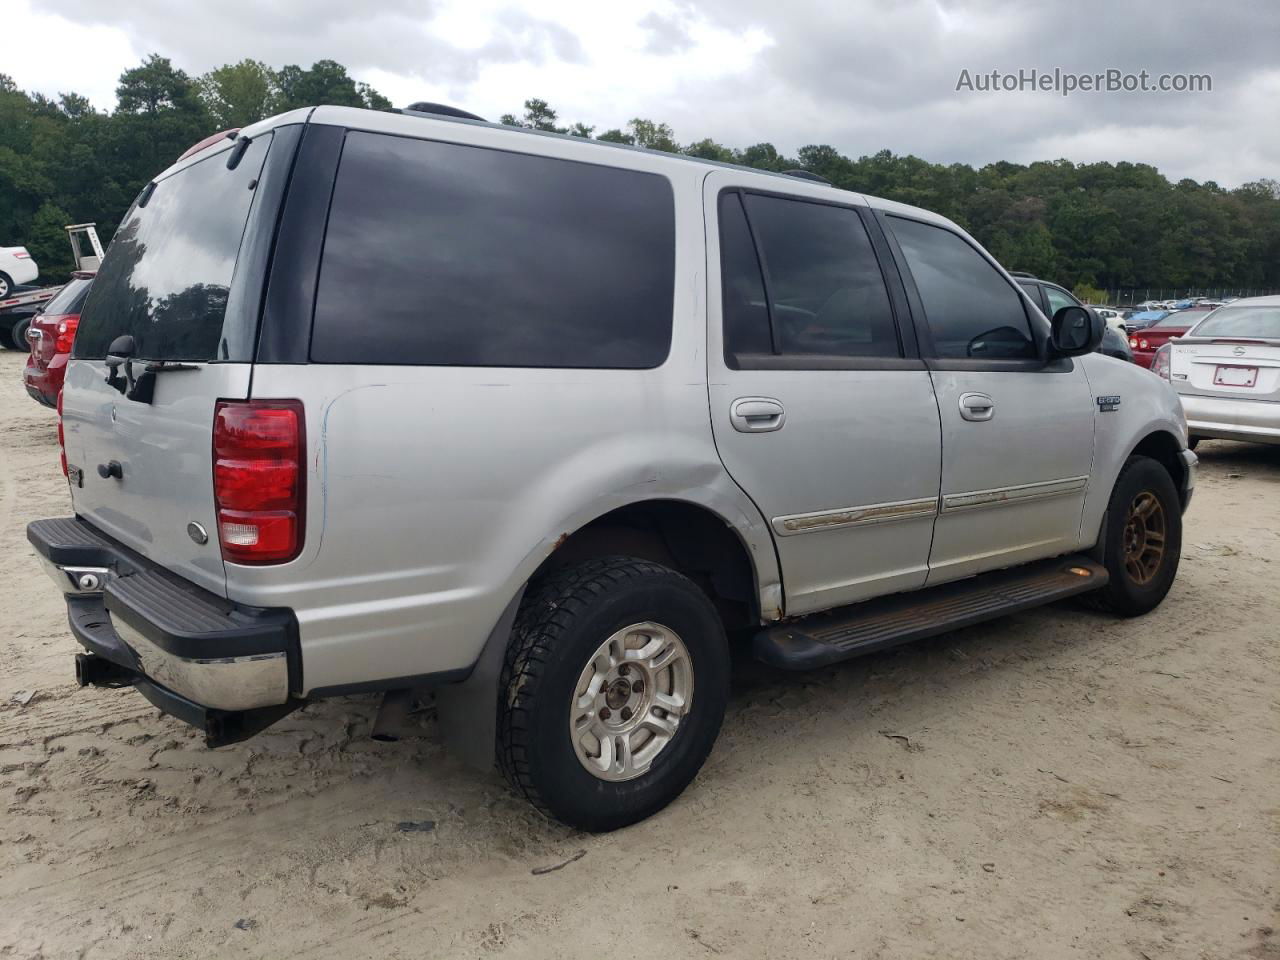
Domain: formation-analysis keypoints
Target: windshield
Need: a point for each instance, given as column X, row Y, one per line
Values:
column 167, row 275
column 69, row 299
column 1259, row 323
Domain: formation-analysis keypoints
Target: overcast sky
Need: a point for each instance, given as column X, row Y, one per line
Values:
column 858, row 74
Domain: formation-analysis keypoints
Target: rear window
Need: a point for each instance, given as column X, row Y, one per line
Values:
column 1181, row 318
column 442, row 254
column 1261, row 323
column 69, row 299
column 167, row 274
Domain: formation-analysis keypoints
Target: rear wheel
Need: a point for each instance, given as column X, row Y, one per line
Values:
column 18, row 334
column 1142, row 542
column 612, row 692
column 6, row 285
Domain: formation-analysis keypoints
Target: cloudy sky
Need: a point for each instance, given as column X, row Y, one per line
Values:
column 862, row 75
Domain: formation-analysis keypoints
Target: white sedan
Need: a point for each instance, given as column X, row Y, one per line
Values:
column 1226, row 370
column 16, row 266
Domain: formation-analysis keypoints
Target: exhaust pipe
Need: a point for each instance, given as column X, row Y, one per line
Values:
column 95, row 671
column 393, row 715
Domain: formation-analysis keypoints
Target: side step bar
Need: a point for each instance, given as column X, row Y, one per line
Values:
column 888, row 621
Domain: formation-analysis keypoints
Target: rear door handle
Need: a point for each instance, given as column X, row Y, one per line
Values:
column 977, row 406
column 757, row 415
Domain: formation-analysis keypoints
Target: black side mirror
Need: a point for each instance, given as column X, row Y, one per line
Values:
column 1076, row 331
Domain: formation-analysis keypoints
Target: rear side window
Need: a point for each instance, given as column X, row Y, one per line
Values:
column 445, row 254
column 167, row 274
column 70, row 299
column 972, row 311
column 826, row 295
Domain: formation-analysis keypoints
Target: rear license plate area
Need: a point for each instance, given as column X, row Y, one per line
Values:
column 1235, row 376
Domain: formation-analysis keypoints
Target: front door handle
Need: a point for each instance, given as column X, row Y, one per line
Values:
column 757, row 415
column 977, row 406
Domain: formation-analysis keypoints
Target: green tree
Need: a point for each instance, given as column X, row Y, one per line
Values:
column 238, row 94
column 326, row 82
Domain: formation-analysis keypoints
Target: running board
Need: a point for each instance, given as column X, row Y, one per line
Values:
column 860, row 628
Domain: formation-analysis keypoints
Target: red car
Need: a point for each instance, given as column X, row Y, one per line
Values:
column 1147, row 341
column 51, row 334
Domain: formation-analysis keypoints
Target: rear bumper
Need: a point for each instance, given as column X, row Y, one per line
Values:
column 221, row 666
column 40, row 386
column 1226, row 418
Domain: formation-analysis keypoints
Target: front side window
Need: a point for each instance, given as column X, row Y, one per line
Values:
column 1059, row 299
column 444, row 254
column 972, row 311
column 826, row 295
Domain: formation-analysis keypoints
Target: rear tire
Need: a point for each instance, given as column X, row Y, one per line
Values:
column 18, row 334
column 6, row 285
column 1142, row 542
column 612, row 691
column 5, row 342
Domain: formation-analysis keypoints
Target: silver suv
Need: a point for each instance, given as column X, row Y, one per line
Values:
column 392, row 402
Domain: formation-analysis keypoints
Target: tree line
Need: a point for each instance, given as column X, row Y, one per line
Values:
column 1089, row 225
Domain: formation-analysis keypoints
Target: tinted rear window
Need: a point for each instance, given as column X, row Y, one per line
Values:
column 167, row 274
column 1261, row 322
column 69, row 299
column 445, row 254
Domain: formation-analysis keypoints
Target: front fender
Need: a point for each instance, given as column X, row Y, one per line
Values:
column 1147, row 405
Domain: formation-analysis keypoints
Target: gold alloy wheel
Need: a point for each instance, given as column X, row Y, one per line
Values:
column 1144, row 538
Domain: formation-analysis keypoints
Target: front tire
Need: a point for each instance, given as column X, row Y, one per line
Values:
column 612, row 692
column 6, row 285
column 1142, row 542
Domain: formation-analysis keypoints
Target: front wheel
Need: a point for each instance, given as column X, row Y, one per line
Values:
column 612, row 692
column 6, row 285
column 1142, row 540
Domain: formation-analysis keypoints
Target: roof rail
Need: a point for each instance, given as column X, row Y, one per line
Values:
column 428, row 109
column 806, row 175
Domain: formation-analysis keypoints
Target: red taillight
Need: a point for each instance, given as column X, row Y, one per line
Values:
column 21, row 255
column 66, row 335
column 62, row 439
column 1142, row 344
column 258, row 456
column 1133, row 342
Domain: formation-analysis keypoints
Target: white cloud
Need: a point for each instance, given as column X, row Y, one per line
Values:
column 858, row 74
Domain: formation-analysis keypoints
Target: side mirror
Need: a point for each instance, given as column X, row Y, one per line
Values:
column 1076, row 331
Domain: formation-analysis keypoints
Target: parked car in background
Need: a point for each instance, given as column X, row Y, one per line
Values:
column 1148, row 340
column 16, row 268
column 51, row 336
column 1143, row 319
column 1114, row 317
column 1226, row 370
column 1050, row 298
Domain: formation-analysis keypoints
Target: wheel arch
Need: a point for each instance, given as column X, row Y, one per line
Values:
column 734, row 563
column 1166, row 449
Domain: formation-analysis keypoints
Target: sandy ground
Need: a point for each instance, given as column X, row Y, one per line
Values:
column 1056, row 784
